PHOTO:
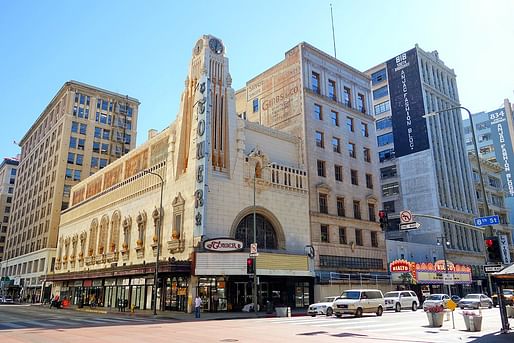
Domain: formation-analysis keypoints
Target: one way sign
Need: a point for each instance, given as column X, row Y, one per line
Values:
column 410, row 226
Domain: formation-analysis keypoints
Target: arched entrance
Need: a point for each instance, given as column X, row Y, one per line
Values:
column 266, row 236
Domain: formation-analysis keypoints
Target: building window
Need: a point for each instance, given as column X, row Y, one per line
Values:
column 315, row 82
column 361, row 103
column 71, row 158
column 106, row 134
column 385, row 139
column 336, row 144
column 79, row 160
column 354, row 177
column 382, row 107
column 367, row 154
column 390, row 189
column 369, row 181
column 69, row 174
column 342, row 235
column 380, row 92
column 351, row 149
column 371, row 212
column 76, row 175
column 83, row 129
column 347, row 96
column 384, row 123
column 319, row 139
column 334, row 116
column 73, row 142
column 388, row 172
column 81, row 144
column 321, row 168
column 349, row 123
column 357, row 209
column 266, row 236
column 374, row 239
column 103, row 163
column 340, row 207
column 324, row 233
column 74, row 127
column 323, row 203
column 94, row 162
column 358, row 237
column 350, row 262
column 364, row 130
column 386, row 155
column 338, row 172
column 332, row 90
column 378, row 76
column 255, row 105
column 318, row 112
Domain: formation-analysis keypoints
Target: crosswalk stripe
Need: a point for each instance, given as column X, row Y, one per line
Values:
column 13, row 325
column 39, row 323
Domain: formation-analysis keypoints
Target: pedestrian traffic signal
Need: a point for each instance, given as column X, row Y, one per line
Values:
column 384, row 221
column 250, row 265
column 493, row 249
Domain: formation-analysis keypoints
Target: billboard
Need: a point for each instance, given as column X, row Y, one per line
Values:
column 407, row 108
column 500, row 134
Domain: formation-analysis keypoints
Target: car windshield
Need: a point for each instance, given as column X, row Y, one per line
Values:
column 329, row 299
column 472, row 296
column 391, row 295
column 435, row 297
column 506, row 292
column 351, row 295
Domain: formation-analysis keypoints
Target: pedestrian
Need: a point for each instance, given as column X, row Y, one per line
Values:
column 198, row 305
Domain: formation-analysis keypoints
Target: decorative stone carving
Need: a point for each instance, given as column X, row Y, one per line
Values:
column 141, row 227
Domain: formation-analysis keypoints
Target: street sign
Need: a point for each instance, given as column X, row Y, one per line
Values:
column 410, row 226
column 405, row 216
column 493, row 268
column 253, row 248
column 485, row 221
column 448, row 279
column 451, row 305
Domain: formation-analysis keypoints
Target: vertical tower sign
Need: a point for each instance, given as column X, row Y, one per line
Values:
column 503, row 147
column 407, row 108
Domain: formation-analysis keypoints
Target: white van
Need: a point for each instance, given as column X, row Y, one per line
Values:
column 359, row 301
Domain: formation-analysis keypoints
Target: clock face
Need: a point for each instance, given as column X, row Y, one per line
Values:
column 216, row 46
column 198, row 46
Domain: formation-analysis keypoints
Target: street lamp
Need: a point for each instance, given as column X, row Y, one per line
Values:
column 158, row 244
column 444, row 243
column 488, row 229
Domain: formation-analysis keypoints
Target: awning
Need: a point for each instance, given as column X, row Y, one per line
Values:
column 505, row 274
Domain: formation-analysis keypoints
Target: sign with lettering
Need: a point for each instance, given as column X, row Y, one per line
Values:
column 503, row 147
column 504, row 246
column 223, row 245
column 407, row 108
column 406, row 272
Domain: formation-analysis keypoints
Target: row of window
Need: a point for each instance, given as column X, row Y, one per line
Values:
column 343, row 236
column 341, row 207
column 334, row 118
column 336, row 146
column 332, row 93
column 338, row 174
column 349, row 262
column 72, row 174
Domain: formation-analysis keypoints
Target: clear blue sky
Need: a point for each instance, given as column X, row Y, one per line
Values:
column 142, row 48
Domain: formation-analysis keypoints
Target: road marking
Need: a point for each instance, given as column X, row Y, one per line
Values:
column 38, row 323
column 13, row 325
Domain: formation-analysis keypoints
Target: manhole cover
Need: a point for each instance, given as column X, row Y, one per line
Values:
column 229, row 340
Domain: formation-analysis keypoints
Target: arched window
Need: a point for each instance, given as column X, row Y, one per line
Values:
column 266, row 236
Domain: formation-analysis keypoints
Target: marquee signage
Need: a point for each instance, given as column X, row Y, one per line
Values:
column 503, row 147
column 403, row 271
column 407, row 107
column 223, row 245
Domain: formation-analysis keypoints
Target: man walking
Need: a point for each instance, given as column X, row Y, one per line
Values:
column 198, row 305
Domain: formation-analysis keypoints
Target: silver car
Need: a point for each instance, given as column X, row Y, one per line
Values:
column 436, row 300
column 397, row 300
column 324, row 307
column 475, row 301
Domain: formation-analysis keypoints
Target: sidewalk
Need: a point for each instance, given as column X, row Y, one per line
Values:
column 176, row 315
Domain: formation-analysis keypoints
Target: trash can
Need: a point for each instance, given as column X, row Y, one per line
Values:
column 289, row 311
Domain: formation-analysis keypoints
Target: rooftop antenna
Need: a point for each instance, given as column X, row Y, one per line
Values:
column 333, row 32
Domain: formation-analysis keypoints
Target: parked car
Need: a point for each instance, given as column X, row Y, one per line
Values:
column 359, row 301
column 434, row 300
column 324, row 307
column 6, row 300
column 508, row 295
column 455, row 298
column 475, row 301
column 401, row 299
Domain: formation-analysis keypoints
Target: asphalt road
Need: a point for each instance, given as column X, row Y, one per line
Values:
column 40, row 325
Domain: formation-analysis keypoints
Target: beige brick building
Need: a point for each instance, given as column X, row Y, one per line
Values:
column 8, row 171
column 217, row 170
column 82, row 130
column 327, row 104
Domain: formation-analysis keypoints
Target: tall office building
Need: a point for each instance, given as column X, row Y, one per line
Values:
column 8, row 170
column 494, row 134
column 327, row 104
column 423, row 162
column 82, row 130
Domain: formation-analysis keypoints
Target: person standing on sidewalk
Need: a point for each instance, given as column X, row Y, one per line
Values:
column 198, row 305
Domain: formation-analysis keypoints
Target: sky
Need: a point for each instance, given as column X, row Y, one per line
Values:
column 142, row 48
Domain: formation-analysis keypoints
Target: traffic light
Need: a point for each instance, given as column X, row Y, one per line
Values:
column 492, row 246
column 384, row 221
column 250, row 265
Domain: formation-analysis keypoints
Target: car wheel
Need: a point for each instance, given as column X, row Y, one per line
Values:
column 397, row 307
column 490, row 305
column 329, row 312
column 358, row 313
column 313, row 315
column 338, row 315
column 414, row 306
column 462, row 307
column 380, row 310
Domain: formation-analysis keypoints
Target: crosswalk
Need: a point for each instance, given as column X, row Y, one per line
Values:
column 405, row 324
column 68, row 322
